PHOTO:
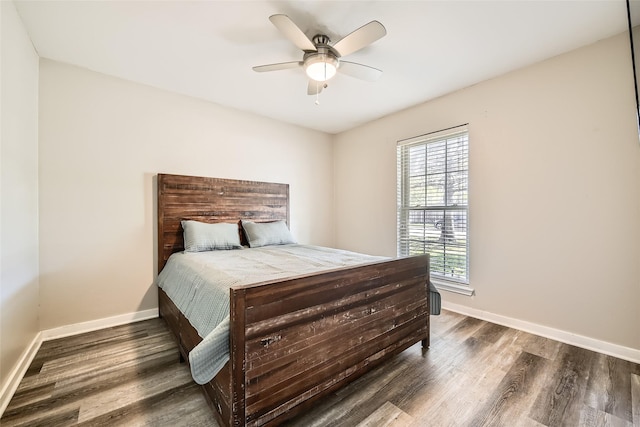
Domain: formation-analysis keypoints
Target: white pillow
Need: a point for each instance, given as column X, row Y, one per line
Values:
column 267, row 233
column 202, row 236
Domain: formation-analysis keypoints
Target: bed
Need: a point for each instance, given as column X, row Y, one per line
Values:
column 292, row 340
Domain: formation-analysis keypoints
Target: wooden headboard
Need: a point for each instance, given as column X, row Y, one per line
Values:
column 213, row 200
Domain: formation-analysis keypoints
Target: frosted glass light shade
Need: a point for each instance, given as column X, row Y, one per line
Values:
column 321, row 67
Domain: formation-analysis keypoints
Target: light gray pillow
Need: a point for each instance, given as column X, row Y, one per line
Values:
column 201, row 236
column 267, row 233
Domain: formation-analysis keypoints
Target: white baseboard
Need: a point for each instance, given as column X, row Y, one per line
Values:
column 12, row 381
column 615, row 350
column 17, row 373
column 94, row 325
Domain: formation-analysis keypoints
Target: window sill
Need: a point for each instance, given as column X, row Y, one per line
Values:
column 453, row 287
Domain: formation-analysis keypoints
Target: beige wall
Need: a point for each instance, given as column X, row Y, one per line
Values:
column 103, row 139
column 18, row 191
column 554, row 191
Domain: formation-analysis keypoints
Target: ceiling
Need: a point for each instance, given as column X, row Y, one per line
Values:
column 206, row 49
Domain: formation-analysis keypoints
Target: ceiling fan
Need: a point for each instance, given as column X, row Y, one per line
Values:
column 321, row 60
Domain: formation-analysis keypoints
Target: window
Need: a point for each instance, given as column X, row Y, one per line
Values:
column 433, row 177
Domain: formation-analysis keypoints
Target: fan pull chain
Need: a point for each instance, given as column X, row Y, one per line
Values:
column 324, row 86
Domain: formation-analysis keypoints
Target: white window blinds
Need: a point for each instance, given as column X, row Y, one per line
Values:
column 432, row 201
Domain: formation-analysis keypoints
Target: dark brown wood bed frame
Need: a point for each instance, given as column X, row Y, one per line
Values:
column 292, row 341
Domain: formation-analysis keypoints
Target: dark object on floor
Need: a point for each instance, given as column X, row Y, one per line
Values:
column 434, row 300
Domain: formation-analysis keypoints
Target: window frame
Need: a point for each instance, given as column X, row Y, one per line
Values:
column 404, row 208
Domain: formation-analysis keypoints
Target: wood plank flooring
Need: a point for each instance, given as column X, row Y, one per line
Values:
column 475, row 374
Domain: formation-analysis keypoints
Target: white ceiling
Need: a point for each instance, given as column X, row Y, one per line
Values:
column 206, row 49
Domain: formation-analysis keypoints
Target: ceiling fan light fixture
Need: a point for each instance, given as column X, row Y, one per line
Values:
column 321, row 67
column 321, row 59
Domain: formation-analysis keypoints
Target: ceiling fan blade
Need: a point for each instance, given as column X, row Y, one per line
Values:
column 276, row 67
column 359, row 71
column 360, row 38
column 291, row 31
column 314, row 87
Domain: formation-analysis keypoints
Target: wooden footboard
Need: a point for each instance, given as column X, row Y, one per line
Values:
column 296, row 340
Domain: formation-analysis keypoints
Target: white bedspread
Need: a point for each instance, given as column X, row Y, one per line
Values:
column 198, row 284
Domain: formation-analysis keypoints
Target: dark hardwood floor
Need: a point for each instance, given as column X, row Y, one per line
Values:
column 475, row 374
